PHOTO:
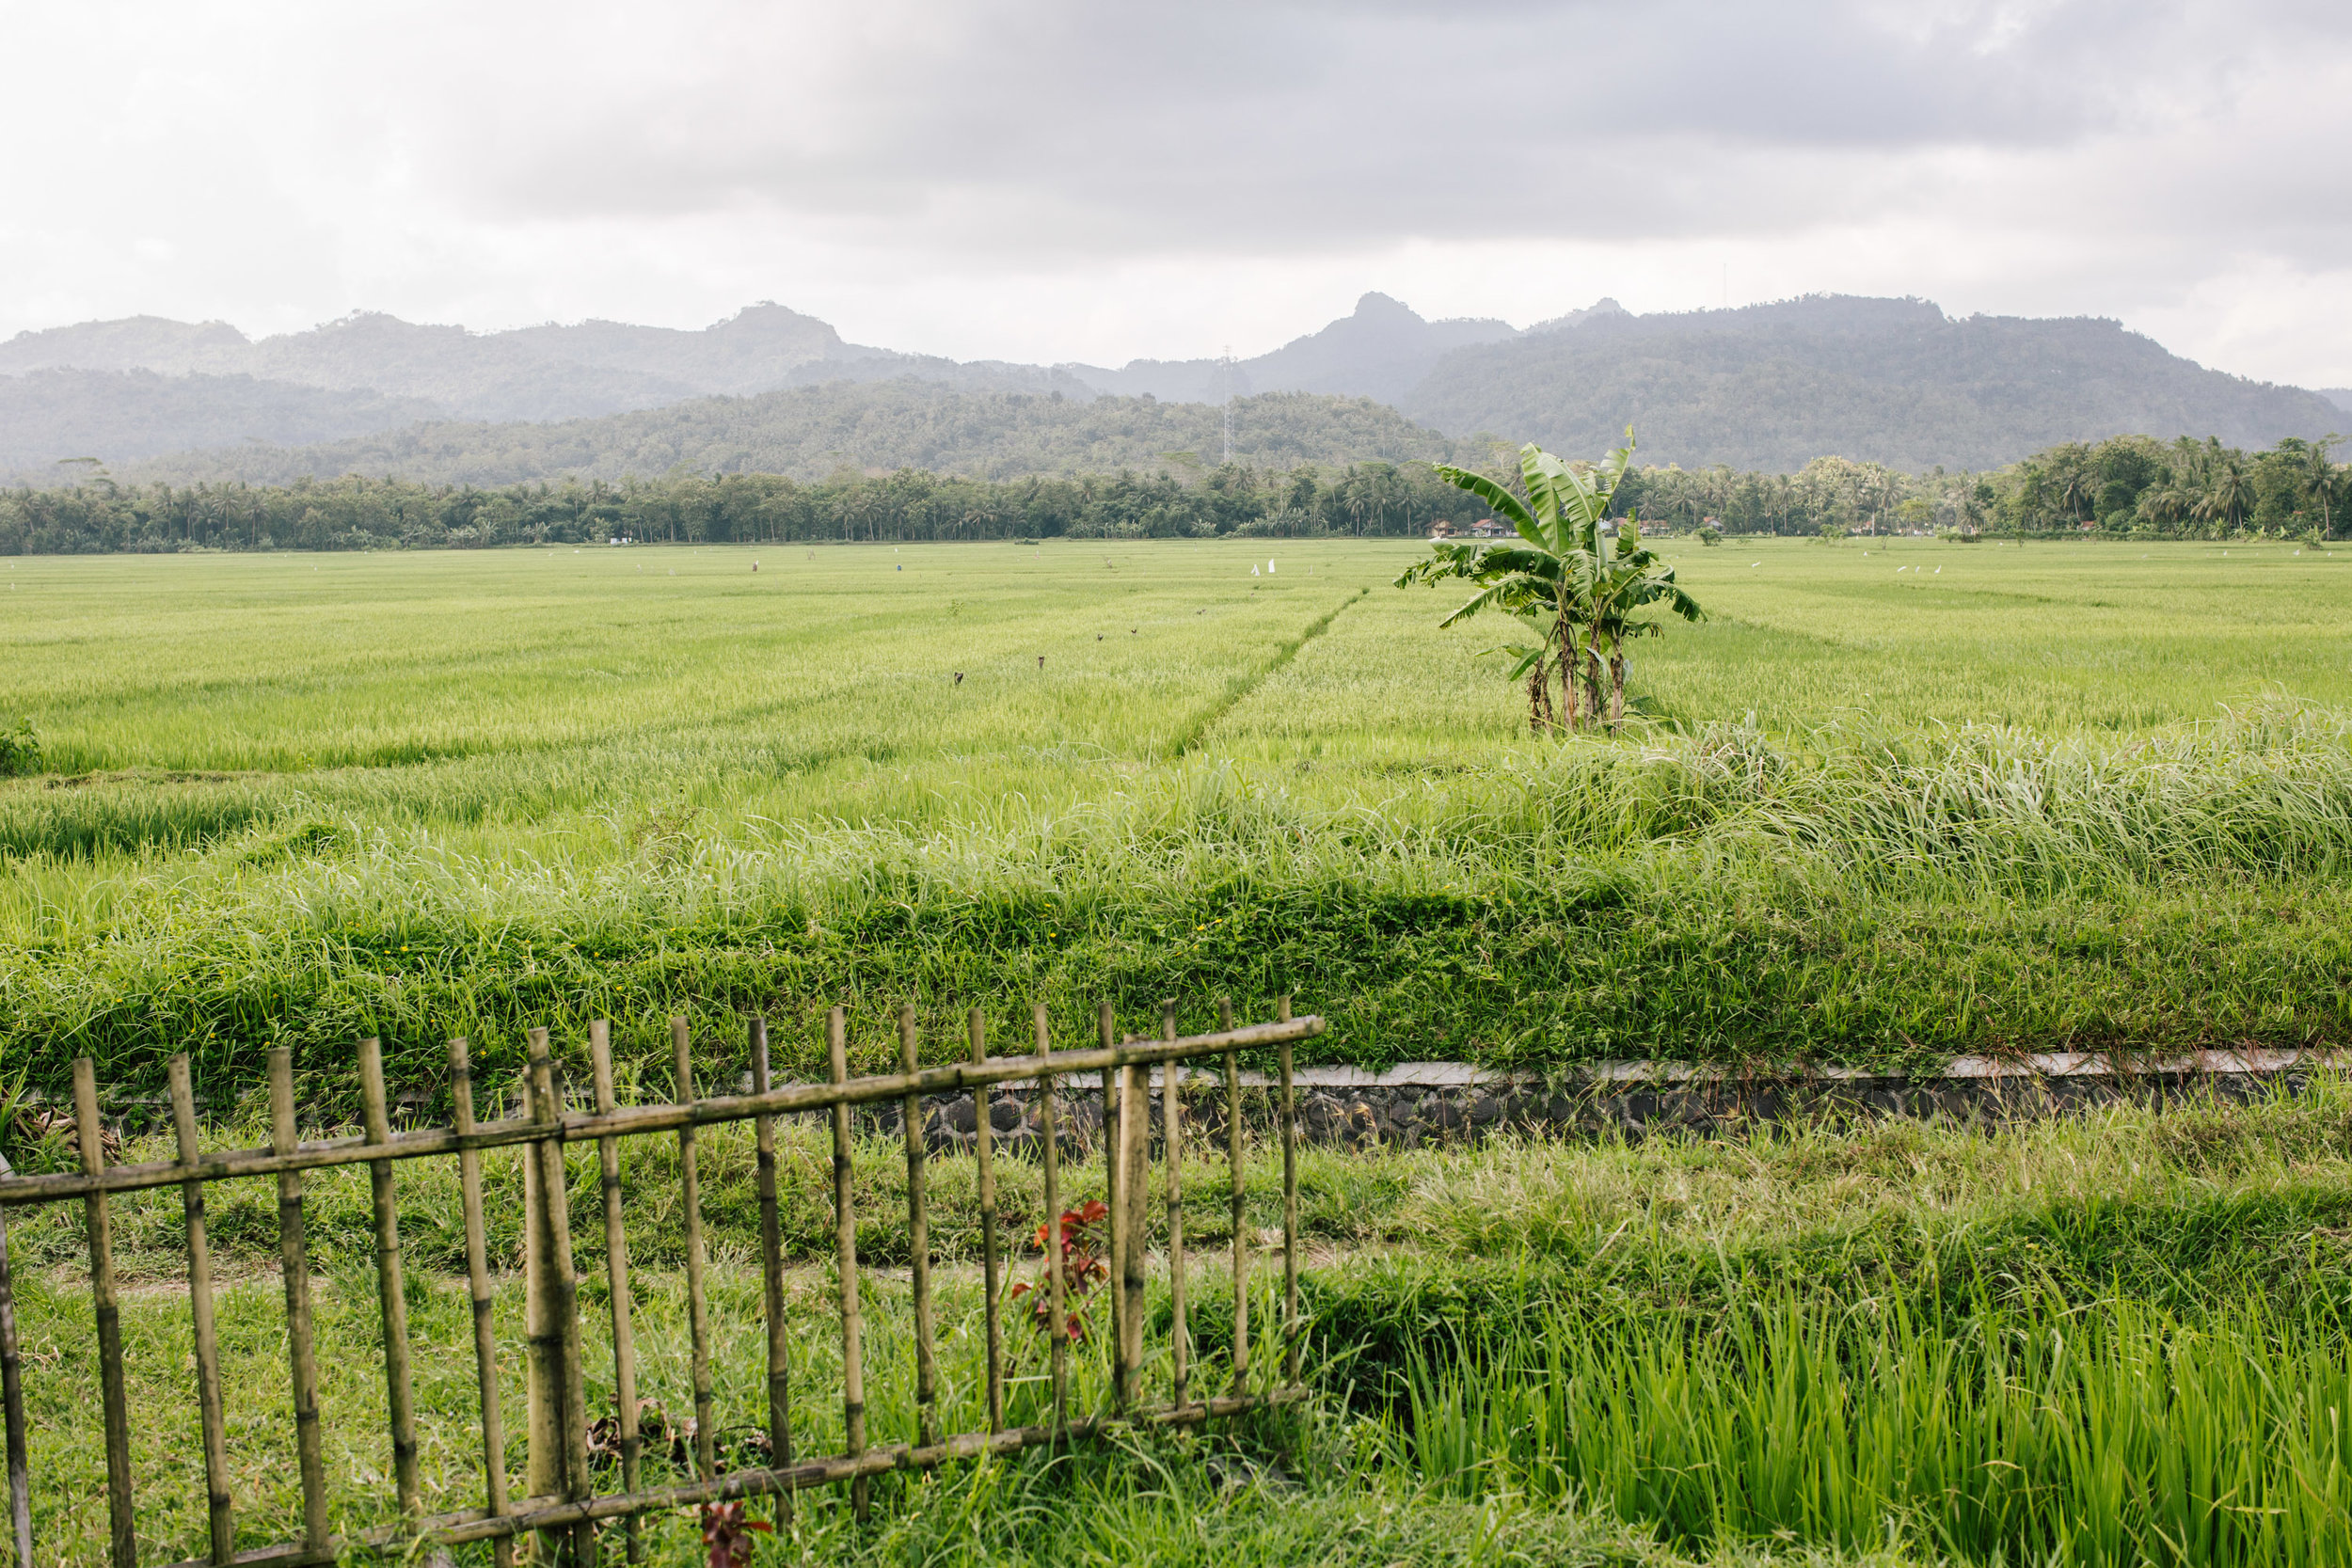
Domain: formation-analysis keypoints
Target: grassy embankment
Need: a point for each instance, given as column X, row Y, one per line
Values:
column 1903, row 798
column 2109, row 1340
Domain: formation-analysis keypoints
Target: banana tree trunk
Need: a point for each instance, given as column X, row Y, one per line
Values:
column 1596, row 695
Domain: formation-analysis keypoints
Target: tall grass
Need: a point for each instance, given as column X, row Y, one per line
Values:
column 2108, row 1436
column 1724, row 893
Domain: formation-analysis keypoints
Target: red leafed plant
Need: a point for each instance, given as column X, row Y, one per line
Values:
column 1082, row 1266
column 728, row 1534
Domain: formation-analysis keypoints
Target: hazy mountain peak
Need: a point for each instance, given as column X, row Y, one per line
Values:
column 1600, row 307
column 1374, row 305
column 131, row 342
column 1379, row 350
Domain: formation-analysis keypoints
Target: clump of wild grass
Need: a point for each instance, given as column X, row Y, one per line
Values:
column 2017, row 1432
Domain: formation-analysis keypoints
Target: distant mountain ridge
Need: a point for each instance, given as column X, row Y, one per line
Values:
column 547, row 372
column 1761, row 387
column 49, row 417
column 1382, row 351
column 875, row 426
column 1894, row 381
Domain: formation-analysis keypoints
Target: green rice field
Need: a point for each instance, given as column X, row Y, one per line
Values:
column 1893, row 798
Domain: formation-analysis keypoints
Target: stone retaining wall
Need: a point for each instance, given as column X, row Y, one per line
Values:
column 1432, row 1102
column 1417, row 1104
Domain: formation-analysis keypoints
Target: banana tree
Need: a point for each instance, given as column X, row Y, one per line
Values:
column 1627, row 580
column 1573, row 582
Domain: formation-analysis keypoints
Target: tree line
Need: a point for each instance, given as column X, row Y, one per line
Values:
column 2131, row 485
column 1358, row 499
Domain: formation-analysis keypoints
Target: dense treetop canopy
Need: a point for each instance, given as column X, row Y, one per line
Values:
column 2131, row 485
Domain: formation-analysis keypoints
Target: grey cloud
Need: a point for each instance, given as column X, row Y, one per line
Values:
column 1057, row 125
column 1005, row 168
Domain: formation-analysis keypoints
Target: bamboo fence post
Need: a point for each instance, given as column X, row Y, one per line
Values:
column 1114, row 1157
column 220, row 1507
column 697, row 1303
column 90, row 1135
column 984, row 1138
column 771, row 1276
column 1290, row 1207
column 844, row 1241
column 1057, row 1329
column 543, row 1366
column 486, row 1355
column 1172, row 1155
column 919, row 1239
column 12, row 1403
column 1135, row 1137
column 293, row 1256
column 1240, row 1203
column 617, row 1277
column 564, row 1296
column 391, row 1303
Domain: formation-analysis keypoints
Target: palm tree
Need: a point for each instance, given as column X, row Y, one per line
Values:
column 2319, row 472
column 2075, row 491
column 2165, row 506
column 2232, row 498
column 1577, row 586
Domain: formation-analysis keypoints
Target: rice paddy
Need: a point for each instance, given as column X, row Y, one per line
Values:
column 1894, row 799
column 1935, row 799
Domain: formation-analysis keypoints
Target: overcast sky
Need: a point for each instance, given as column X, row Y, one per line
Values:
column 1041, row 181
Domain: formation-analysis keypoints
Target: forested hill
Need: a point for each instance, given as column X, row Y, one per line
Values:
column 52, row 416
column 120, row 390
column 1887, row 381
column 1768, row 387
column 810, row 432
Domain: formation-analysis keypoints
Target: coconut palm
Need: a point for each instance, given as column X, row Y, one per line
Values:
column 2232, row 499
column 2319, row 472
column 1575, row 583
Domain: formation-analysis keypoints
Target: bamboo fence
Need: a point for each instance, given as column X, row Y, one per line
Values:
column 558, row 1508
